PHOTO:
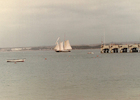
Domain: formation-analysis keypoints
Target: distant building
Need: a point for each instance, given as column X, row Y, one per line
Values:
column 16, row 49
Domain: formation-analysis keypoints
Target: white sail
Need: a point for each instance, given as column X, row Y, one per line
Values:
column 57, row 47
column 67, row 45
column 61, row 46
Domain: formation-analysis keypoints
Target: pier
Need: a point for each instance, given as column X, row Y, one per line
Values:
column 115, row 48
column 133, row 48
column 104, row 48
column 123, row 48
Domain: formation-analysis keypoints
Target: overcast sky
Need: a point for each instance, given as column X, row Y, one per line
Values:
column 41, row 22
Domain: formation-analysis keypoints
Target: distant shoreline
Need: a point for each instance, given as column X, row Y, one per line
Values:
column 44, row 48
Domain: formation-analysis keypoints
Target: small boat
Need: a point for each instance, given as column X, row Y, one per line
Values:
column 15, row 60
column 60, row 47
column 90, row 52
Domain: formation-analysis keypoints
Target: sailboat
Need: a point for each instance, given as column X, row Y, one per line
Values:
column 60, row 47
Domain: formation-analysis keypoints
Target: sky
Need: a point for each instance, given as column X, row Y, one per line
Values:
column 25, row 23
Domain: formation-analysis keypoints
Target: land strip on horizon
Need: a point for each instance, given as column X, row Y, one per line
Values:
column 74, row 47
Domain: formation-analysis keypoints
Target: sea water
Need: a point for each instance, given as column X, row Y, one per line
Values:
column 76, row 75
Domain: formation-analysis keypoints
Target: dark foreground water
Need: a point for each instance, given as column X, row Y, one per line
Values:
column 70, row 76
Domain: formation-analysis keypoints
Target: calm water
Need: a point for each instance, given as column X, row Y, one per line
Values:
column 70, row 76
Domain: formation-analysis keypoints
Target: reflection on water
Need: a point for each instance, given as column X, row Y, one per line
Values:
column 70, row 76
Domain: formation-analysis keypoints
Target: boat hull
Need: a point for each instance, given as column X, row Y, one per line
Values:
column 16, row 60
column 63, row 51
